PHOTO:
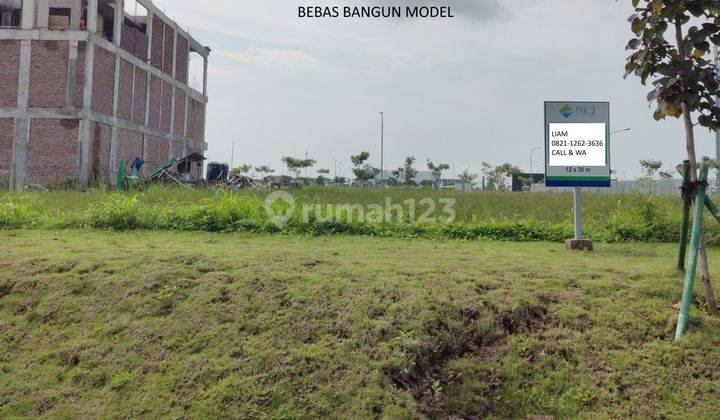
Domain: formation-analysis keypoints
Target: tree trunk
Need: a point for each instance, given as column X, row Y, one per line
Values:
column 707, row 283
column 690, row 147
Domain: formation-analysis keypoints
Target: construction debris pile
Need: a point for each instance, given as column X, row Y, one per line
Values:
column 180, row 171
column 241, row 182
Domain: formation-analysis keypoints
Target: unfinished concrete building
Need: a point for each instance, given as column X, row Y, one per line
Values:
column 85, row 84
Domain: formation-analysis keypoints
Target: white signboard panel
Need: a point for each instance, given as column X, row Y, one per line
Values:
column 577, row 144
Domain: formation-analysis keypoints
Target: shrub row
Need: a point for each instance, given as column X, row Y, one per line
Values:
column 246, row 213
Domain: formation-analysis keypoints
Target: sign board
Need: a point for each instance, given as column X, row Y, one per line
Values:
column 577, row 149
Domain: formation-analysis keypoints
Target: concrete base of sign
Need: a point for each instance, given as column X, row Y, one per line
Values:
column 579, row 245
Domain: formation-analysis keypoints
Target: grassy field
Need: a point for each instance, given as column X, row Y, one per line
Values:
column 479, row 215
column 173, row 324
column 549, row 207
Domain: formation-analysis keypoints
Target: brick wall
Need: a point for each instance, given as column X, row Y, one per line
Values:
column 155, row 97
column 129, row 146
column 48, row 74
column 166, row 106
column 127, row 39
column 134, row 42
column 152, row 159
column 176, row 148
column 139, row 96
column 52, row 152
column 181, row 60
column 196, row 120
column 99, row 153
column 164, row 150
column 9, row 69
column 167, row 65
column 200, row 122
column 7, row 131
column 179, row 111
column 141, row 46
column 125, row 99
column 157, row 42
column 80, row 75
column 192, row 107
column 103, row 81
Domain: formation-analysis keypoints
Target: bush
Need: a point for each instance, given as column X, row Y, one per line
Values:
column 16, row 216
column 634, row 218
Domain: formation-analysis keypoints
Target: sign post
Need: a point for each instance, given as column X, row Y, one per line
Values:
column 577, row 153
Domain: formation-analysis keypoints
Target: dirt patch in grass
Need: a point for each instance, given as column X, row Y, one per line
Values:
column 461, row 332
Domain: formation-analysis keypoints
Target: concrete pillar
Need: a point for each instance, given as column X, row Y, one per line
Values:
column 132, row 94
column 119, row 18
column 117, row 39
column 84, row 137
column 146, row 138
column 75, row 14
column 43, row 13
column 92, row 12
column 172, row 99
column 18, row 173
column 28, row 14
column 22, row 123
column 205, row 73
column 187, row 105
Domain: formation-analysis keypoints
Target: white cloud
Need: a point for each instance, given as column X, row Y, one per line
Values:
column 279, row 59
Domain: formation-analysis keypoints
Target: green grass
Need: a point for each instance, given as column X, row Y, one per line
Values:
column 172, row 324
column 548, row 207
column 505, row 216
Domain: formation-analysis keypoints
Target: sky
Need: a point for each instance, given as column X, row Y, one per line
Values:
column 463, row 91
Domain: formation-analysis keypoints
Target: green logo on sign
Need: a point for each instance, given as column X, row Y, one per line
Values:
column 566, row 111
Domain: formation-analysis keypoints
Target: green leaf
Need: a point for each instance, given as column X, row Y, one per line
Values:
column 687, row 47
column 638, row 25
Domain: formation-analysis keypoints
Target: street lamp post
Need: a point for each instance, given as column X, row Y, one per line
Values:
column 232, row 156
column 620, row 131
column 382, row 147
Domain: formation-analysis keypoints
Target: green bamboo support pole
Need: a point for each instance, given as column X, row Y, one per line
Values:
column 712, row 208
column 120, row 181
column 694, row 244
column 685, row 226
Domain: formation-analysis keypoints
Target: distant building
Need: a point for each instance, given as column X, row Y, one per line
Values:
column 83, row 87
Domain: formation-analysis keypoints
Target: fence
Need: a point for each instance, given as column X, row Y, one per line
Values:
column 656, row 187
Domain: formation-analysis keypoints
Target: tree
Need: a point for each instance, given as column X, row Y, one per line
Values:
column 264, row 170
column 684, row 80
column 321, row 180
column 405, row 174
column 363, row 171
column 437, row 170
column 650, row 168
column 467, row 178
column 339, row 180
column 241, row 170
column 496, row 176
column 295, row 165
